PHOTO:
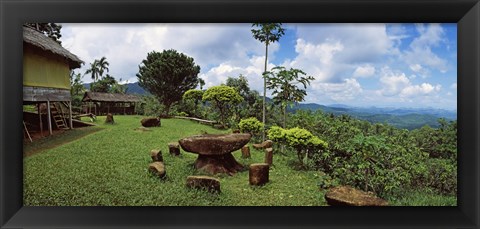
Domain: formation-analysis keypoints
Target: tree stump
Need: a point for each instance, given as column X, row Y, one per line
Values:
column 157, row 168
column 109, row 118
column 174, row 148
column 269, row 156
column 245, row 151
column 263, row 145
column 204, row 182
column 156, row 155
column 348, row 196
column 258, row 174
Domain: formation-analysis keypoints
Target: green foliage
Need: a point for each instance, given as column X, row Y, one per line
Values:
column 168, row 75
column 284, row 83
column 441, row 176
column 193, row 94
column 268, row 32
column 222, row 97
column 150, row 106
column 301, row 140
column 251, row 125
column 192, row 98
column 52, row 30
column 440, row 142
column 96, row 69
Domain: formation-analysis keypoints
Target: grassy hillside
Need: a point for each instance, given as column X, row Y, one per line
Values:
column 109, row 167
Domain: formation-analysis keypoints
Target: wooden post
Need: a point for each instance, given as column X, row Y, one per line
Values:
column 245, row 151
column 174, row 148
column 269, row 156
column 49, row 118
column 258, row 174
column 123, row 108
column 40, row 117
column 90, row 107
column 70, row 109
column 96, row 109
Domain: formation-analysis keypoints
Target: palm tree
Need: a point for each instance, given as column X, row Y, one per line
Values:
column 267, row 33
column 97, row 68
column 93, row 70
column 102, row 65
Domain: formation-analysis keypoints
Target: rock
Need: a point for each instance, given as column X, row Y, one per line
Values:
column 348, row 196
column 173, row 148
column 258, row 173
column 204, row 182
column 109, row 118
column 245, row 151
column 214, row 144
column 236, row 131
column 263, row 145
column 219, row 126
column 157, row 168
column 156, row 155
column 215, row 151
column 269, row 156
column 151, row 122
column 213, row 164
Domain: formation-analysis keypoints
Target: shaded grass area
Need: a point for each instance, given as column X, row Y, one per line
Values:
column 109, row 168
column 424, row 198
column 52, row 141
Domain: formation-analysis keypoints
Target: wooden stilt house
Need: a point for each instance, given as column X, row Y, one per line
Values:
column 46, row 78
column 100, row 103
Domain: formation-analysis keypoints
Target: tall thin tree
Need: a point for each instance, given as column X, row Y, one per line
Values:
column 284, row 84
column 267, row 33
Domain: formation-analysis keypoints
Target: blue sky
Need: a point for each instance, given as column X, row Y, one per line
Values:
column 382, row 65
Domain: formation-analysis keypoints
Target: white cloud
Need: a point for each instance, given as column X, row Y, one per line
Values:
column 454, row 86
column 316, row 59
column 420, row 52
column 346, row 91
column 417, row 90
column 393, row 83
column 397, row 84
column 126, row 45
column 364, row 71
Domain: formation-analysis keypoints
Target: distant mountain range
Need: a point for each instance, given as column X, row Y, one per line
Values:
column 405, row 118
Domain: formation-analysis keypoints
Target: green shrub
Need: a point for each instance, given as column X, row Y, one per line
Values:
column 442, row 176
column 303, row 141
column 250, row 125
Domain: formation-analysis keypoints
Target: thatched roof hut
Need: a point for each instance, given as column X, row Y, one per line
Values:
column 105, row 103
column 39, row 40
column 46, row 76
column 109, row 97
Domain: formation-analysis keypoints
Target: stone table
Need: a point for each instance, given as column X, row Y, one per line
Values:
column 215, row 151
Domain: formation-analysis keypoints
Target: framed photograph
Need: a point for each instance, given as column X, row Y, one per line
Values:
column 273, row 114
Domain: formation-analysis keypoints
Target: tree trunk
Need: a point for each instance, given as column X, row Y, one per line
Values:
column 284, row 116
column 264, row 89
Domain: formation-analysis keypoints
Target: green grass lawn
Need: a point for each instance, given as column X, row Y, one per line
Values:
column 109, row 168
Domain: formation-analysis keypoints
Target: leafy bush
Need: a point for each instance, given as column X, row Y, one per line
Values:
column 222, row 98
column 251, row 125
column 303, row 141
column 442, row 176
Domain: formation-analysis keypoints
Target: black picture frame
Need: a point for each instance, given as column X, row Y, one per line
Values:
column 466, row 13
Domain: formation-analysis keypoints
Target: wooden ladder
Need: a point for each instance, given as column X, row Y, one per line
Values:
column 58, row 117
